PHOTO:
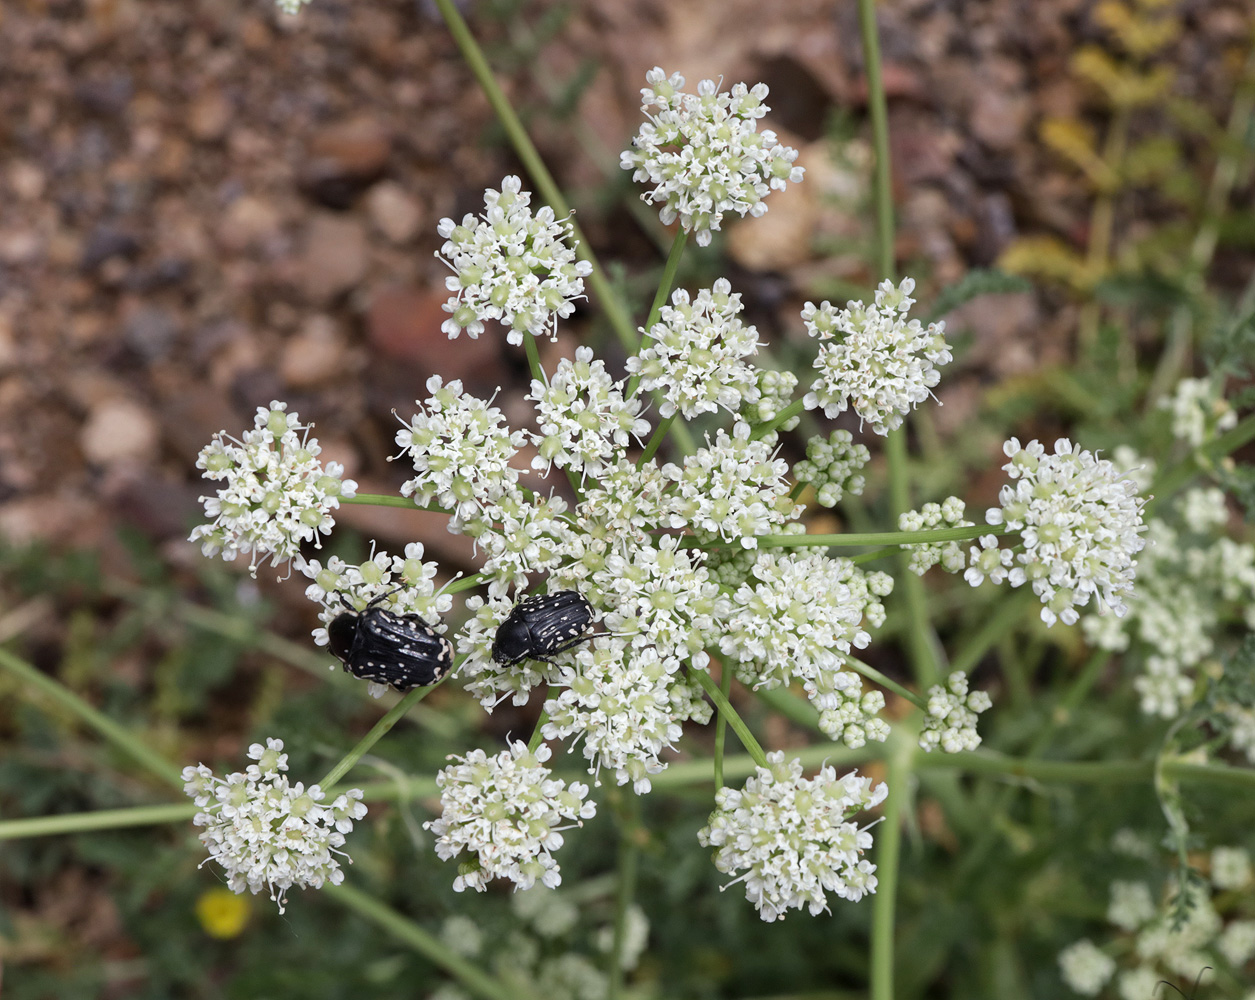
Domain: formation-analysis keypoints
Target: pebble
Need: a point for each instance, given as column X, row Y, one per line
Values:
column 119, row 430
column 334, row 258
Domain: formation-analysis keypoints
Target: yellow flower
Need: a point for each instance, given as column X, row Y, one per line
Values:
column 222, row 912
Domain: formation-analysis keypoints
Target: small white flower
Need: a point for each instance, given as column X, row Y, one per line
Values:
column 507, row 812
column 733, row 489
column 1199, row 411
column 521, row 536
column 704, row 155
column 1080, row 525
column 792, row 839
column 266, row 833
column 871, row 358
column 697, row 354
column 951, row 718
column 461, row 450
column 1131, row 905
column 1139, row 983
column 1230, row 868
column 584, row 420
column 1085, row 968
column 277, row 493
column 834, row 466
column 1237, row 942
column 510, row 265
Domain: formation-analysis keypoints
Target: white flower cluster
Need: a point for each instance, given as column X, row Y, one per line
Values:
column 1191, row 580
column 733, row 489
column 277, row 493
column 291, row 6
column 704, row 155
column 1080, row 525
column 871, row 358
column 1199, row 411
column 506, row 812
column 461, row 450
column 510, row 265
column 792, row 839
column 626, row 705
column 266, row 833
column 697, row 357
column 584, row 420
column 1174, row 944
column 951, row 718
column 520, row 536
column 926, row 555
column 406, row 583
column 834, row 467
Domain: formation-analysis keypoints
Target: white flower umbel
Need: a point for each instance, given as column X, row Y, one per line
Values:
column 926, row 555
column 663, row 597
column 797, row 618
column 277, row 493
column 507, row 812
column 792, row 840
column 1230, row 868
column 521, row 536
column 1131, row 905
column 872, row 358
column 834, row 467
column 490, row 681
column 461, row 450
column 406, row 583
column 697, row 354
column 584, row 420
column 733, row 489
column 704, row 155
column 626, row 706
column 267, row 834
column 1080, row 525
column 1199, row 411
column 510, row 265
column 950, row 721
column 1084, row 968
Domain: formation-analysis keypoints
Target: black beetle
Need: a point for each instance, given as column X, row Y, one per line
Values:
column 378, row 645
column 540, row 627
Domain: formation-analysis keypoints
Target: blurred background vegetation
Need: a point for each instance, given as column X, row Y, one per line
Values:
column 206, row 205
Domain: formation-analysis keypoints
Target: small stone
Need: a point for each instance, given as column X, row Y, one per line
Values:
column 999, row 119
column 315, row 355
column 345, row 158
column 209, row 116
column 119, row 430
column 150, row 331
column 248, row 222
column 394, row 212
column 335, row 257
column 26, row 180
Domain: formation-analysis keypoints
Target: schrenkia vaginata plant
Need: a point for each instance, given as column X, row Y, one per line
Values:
column 635, row 603
column 676, row 562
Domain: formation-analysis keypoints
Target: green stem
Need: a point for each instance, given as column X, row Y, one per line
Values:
column 888, row 860
column 466, row 583
column 100, row 819
column 1006, row 615
column 660, row 299
column 536, row 169
column 860, row 539
column 652, row 446
column 880, row 137
column 779, row 420
column 426, row 944
column 1171, row 480
column 379, row 730
column 388, row 500
column 537, row 736
column 872, row 674
column 112, row 731
column 734, row 720
column 721, row 723
column 625, row 891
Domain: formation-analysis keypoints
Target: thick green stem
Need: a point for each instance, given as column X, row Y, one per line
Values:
column 878, row 107
column 378, row 731
column 538, row 736
column 659, row 434
column 427, row 944
column 888, row 861
column 388, row 500
column 660, row 299
column 872, row 674
column 734, row 720
column 859, row 539
column 536, row 169
column 100, row 819
column 779, row 420
column 721, row 723
column 113, row 732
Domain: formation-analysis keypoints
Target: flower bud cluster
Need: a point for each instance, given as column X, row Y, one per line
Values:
column 277, row 494
column 926, row 555
column 951, row 718
column 267, row 833
column 775, row 393
column 510, row 265
column 704, row 155
column 873, row 359
column 791, row 840
column 833, row 467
